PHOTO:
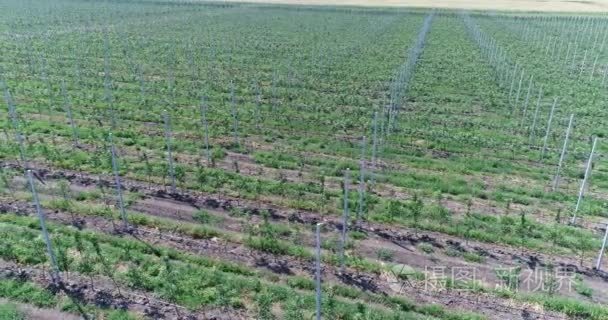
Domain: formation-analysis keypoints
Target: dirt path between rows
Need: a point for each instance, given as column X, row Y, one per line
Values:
column 34, row 313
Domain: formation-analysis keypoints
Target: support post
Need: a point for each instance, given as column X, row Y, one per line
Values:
column 169, row 154
column 344, row 219
column 546, row 139
column 533, row 128
column 527, row 100
column 121, row 204
column 204, row 107
column 581, row 191
column 598, row 264
column 68, row 110
column 521, row 78
column 563, row 154
column 49, row 247
column 361, row 182
column 374, row 148
column 12, row 112
column 235, row 120
column 318, row 271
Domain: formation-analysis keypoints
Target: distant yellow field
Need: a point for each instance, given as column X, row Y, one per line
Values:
column 509, row 5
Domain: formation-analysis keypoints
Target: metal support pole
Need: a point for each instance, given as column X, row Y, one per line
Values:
column 598, row 264
column 344, row 219
column 204, row 107
column 521, row 78
column 546, row 139
column 361, row 182
column 169, row 154
column 318, row 271
column 527, row 100
column 374, row 148
column 583, row 64
column 235, row 121
column 15, row 123
column 68, row 110
column 593, row 68
column 512, row 82
column 55, row 273
column 563, row 154
column 581, row 191
column 123, row 213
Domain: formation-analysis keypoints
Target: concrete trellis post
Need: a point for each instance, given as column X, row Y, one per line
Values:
column 235, row 120
column 12, row 112
column 361, row 182
column 258, row 106
column 574, row 58
column 344, row 219
column 598, row 264
column 68, row 109
column 318, row 270
column 45, row 78
column 581, row 191
column 142, row 85
column 121, row 204
column 549, row 121
column 374, row 147
column 593, row 68
column 107, row 82
column 603, row 41
column 521, row 78
column 49, row 247
column 169, row 154
column 583, row 64
column 204, row 107
column 557, row 52
column 567, row 54
column 512, row 82
column 563, row 154
column 527, row 99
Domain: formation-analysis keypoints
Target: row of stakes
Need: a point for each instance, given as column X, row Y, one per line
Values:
column 55, row 275
column 115, row 168
column 55, row 271
column 496, row 56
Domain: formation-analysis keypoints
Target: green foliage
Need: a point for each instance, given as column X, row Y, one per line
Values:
column 27, row 293
column 473, row 257
column 459, row 139
column 202, row 216
column 10, row 312
column 385, row 254
column 264, row 306
column 426, row 248
column 582, row 288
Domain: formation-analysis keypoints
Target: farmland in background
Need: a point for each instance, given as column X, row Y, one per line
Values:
column 183, row 154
